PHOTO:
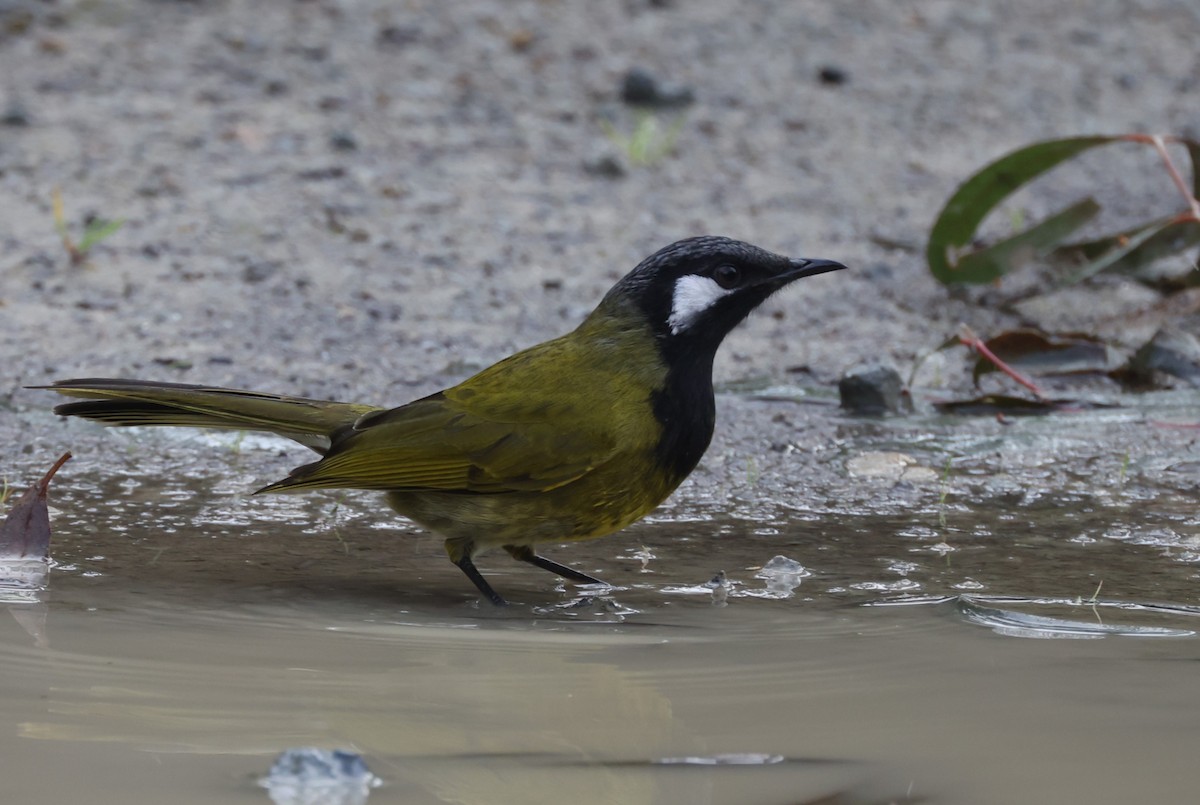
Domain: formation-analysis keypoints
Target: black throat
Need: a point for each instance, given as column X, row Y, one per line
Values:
column 687, row 412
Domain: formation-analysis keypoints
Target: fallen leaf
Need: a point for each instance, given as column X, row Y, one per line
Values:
column 992, row 404
column 25, row 533
column 1036, row 353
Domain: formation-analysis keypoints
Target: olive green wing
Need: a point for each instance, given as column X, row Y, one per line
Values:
column 460, row 443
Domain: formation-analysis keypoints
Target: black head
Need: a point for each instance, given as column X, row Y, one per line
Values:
column 691, row 294
column 695, row 291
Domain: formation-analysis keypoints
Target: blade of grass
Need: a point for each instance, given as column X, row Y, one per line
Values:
column 98, row 231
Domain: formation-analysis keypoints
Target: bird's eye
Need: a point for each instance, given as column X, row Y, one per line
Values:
column 727, row 276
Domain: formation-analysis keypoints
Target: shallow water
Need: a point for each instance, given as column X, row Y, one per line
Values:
column 1013, row 619
column 187, row 634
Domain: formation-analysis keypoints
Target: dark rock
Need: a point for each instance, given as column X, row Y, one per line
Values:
column 1171, row 353
column 398, row 36
column 343, row 141
column 640, row 88
column 833, row 76
column 261, row 270
column 14, row 115
column 873, row 389
column 321, row 174
column 605, row 163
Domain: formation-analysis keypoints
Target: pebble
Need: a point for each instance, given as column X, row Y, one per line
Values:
column 261, row 270
column 889, row 466
column 873, row 389
column 832, row 76
column 15, row 116
column 604, row 163
column 641, row 88
column 1171, row 352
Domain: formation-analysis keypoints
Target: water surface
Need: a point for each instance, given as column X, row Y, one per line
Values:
column 984, row 653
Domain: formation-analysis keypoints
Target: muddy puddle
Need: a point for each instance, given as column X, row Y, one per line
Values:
column 1005, row 645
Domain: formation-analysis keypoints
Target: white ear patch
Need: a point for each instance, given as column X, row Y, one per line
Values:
column 693, row 295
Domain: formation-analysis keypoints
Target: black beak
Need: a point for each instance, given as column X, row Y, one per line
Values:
column 810, row 268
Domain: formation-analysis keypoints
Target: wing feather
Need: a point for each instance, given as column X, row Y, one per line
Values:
column 458, row 445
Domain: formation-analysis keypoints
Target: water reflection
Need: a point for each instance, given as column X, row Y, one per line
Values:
column 478, row 715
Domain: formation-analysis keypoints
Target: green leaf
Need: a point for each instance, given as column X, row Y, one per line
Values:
column 959, row 220
column 1086, row 250
column 1000, row 258
column 1132, row 251
column 1156, row 240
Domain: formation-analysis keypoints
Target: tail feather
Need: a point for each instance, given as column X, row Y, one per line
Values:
column 140, row 402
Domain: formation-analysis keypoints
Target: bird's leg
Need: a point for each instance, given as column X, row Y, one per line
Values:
column 467, row 566
column 460, row 552
column 524, row 553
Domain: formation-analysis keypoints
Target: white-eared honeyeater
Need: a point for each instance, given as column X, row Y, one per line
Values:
column 567, row 440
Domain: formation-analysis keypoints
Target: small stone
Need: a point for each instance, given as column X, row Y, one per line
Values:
column 343, row 141
column 881, row 464
column 604, row 163
column 640, row 88
column 1171, row 353
column 873, row 389
column 889, row 466
column 398, row 36
column 15, row 115
column 521, row 39
column 832, row 76
column 321, row 174
column 261, row 270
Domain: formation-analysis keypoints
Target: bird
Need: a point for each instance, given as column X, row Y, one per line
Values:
column 572, row 439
